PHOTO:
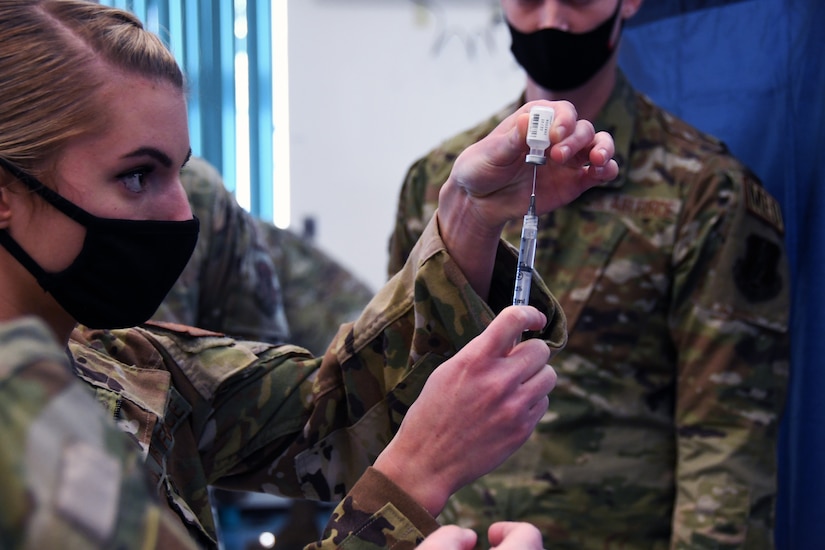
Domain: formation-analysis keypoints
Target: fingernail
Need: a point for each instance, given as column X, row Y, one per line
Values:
column 565, row 152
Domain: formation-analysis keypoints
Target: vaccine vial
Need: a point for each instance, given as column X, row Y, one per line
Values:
column 538, row 133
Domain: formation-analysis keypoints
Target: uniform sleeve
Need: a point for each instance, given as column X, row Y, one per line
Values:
column 376, row 514
column 730, row 326
column 68, row 477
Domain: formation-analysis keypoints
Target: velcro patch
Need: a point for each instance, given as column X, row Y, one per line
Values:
column 89, row 492
column 757, row 272
column 761, row 203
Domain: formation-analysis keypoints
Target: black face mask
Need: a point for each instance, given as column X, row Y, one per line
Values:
column 558, row 60
column 124, row 270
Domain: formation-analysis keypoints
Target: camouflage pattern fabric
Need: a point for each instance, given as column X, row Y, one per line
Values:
column 377, row 501
column 209, row 410
column 249, row 279
column 68, row 477
column 662, row 429
column 309, row 277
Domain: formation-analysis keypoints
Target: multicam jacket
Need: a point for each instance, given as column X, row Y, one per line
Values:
column 209, row 410
column 252, row 280
column 68, row 478
column 662, row 429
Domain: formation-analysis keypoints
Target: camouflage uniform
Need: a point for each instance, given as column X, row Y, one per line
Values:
column 68, row 478
column 309, row 277
column 662, row 429
column 209, row 410
column 251, row 280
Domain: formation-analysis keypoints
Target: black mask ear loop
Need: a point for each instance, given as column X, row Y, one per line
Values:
column 43, row 278
column 68, row 208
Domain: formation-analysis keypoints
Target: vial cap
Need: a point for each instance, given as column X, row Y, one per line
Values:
column 536, row 159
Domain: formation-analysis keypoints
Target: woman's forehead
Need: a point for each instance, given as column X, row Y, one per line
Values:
column 140, row 110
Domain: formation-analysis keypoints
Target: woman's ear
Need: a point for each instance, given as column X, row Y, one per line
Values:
column 5, row 205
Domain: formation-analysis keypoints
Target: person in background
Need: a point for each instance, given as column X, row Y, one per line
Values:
column 251, row 280
column 662, row 429
column 95, row 228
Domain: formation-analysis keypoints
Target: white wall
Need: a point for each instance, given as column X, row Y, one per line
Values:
column 374, row 84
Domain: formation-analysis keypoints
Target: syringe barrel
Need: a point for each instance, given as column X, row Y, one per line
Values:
column 526, row 260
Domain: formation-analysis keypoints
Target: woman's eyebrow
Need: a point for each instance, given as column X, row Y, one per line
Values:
column 156, row 154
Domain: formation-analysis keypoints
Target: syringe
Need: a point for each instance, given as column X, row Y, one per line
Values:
column 538, row 139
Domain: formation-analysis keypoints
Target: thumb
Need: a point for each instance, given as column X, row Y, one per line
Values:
column 506, row 329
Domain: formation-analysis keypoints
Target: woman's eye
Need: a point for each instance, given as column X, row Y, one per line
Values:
column 134, row 181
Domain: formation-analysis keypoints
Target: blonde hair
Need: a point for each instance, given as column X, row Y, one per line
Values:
column 54, row 56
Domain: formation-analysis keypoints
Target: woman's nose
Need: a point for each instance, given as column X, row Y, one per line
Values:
column 177, row 203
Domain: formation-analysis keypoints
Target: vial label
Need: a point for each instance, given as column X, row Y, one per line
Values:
column 540, row 120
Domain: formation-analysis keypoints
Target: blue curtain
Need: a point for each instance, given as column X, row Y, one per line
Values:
column 752, row 72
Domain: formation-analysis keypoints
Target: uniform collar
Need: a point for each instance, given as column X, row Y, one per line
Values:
column 618, row 117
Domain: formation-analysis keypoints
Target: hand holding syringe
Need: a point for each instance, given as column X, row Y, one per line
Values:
column 538, row 139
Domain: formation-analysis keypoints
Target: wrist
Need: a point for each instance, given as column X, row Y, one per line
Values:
column 422, row 486
column 470, row 241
